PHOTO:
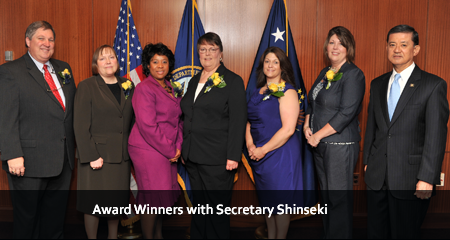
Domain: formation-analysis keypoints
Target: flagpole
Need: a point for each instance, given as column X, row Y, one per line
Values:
column 192, row 35
column 287, row 29
column 128, row 38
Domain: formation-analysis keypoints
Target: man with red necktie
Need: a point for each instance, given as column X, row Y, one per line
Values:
column 36, row 134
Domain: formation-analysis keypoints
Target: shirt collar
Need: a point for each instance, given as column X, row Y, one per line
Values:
column 39, row 65
column 405, row 74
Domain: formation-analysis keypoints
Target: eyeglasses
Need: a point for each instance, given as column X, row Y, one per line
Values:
column 211, row 50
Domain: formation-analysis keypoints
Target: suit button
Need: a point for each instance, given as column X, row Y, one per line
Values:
column 389, row 135
column 385, row 155
column 120, row 116
column 120, row 132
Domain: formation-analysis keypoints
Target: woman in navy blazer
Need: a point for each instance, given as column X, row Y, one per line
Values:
column 214, row 128
column 331, row 127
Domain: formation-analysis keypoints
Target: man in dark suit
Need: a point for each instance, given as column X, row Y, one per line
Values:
column 36, row 135
column 405, row 140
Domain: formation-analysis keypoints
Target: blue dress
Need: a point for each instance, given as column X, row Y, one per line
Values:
column 280, row 169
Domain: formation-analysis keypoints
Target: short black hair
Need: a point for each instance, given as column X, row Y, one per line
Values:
column 404, row 29
column 160, row 49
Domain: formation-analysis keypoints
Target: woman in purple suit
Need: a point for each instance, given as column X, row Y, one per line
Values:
column 155, row 141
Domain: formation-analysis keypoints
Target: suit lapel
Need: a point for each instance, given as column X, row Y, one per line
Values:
column 65, row 89
column 221, row 70
column 39, row 78
column 161, row 89
column 122, row 94
column 105, row 89
column 410, row 88
column 193, row 83
column 383, row 99
column 201, row 93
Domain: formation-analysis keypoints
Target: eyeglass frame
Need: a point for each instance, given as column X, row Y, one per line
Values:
column 210, row 50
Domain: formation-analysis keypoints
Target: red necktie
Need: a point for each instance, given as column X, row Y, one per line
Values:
column 52, row 86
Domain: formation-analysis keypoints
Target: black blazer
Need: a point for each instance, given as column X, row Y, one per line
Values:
column 33, row 124
column 101, row 125
column 214, row 126
column 339, row 105
column 411, row 147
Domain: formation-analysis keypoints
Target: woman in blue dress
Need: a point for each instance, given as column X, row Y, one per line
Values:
column 273, row 111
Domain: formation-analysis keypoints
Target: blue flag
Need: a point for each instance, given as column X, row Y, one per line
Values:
column 278, row 33
column 127, row 45
column 187, row 65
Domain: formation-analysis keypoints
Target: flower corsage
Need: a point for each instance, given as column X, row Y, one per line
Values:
column 333, row 75
column 275, row 90
column 177, row 88
column 215, row 81
column 127, row 86
column 65, row 75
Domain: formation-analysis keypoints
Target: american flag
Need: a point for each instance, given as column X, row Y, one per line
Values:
column 129, row 50
column 127, row 45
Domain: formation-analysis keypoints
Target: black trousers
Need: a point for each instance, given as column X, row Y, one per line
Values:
column 211, row 185
column 390, row 217
column 39, row 204
column 334, row 167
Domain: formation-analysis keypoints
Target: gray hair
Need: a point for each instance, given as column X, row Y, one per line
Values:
column 32, row 28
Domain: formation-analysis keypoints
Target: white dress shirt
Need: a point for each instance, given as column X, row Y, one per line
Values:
column 197, row 91
column 405, row 74
column 50, row 68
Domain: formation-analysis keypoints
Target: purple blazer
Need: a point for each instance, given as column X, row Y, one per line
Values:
column 158, row 124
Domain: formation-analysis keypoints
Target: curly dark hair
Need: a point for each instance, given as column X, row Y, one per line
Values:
column 287, row 73
column 150, row 50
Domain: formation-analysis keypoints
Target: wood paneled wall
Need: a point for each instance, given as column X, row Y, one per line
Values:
column 83, row 25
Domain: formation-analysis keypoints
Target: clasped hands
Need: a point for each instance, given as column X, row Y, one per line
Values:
column 256, row 153
column 313, row 140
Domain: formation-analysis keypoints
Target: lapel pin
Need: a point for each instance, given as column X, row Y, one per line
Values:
column 411, row 85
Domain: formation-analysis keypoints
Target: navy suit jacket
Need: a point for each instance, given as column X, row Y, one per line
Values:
column 411, row 146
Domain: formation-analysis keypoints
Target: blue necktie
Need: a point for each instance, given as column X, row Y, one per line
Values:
column 394, row 95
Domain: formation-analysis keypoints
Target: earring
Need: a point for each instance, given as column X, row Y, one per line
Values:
column 220, row 59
